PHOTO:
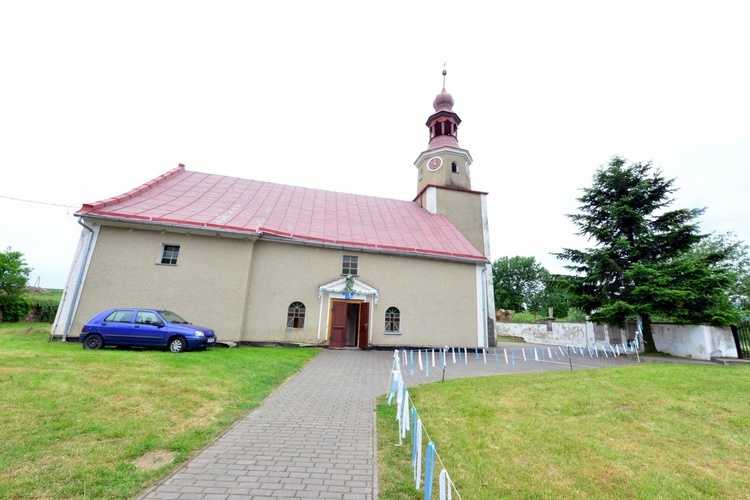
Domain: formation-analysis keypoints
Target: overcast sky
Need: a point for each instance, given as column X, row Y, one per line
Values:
column 97, row 98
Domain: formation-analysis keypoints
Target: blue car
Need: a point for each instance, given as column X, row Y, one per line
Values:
column 144, row 328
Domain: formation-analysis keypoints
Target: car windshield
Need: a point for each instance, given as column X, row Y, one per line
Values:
column 171, row 317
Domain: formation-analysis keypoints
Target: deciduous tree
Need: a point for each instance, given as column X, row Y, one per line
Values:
column 14, row 274
column 519, row 283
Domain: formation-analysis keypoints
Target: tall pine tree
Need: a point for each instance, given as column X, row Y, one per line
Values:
column 642, row 261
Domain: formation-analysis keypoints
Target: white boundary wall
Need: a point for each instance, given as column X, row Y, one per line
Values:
column 687, row 341
column 574, row 334
column 695, row 341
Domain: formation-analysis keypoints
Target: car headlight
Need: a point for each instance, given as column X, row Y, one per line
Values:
column 199, row 333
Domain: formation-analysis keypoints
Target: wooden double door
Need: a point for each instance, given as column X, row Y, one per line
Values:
column 349, row 324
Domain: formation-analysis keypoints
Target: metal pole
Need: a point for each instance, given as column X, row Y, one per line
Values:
column 570, row 359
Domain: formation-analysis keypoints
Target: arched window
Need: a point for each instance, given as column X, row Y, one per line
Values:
column 392, row 320
column 295, row 317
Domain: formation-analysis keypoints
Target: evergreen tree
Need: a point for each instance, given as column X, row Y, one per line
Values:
column 732, row 255
column 643, row 262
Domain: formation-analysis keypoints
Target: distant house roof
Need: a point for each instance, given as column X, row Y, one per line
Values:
column 186, row 199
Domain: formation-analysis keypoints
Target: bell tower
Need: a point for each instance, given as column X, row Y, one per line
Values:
column 444, row 163
column 444, row 178
column 444, row 188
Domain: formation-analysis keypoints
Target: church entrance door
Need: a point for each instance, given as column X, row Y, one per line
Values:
column 349, row 324
column 337, row 337
column 364, row 326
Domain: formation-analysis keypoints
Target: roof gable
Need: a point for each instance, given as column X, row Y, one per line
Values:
column 194, row 199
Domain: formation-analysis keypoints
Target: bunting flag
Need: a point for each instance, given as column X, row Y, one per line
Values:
column 537, row 354
column 395, row 377
column 429, row 470
column 446, row 492
column 394, row 387
column 405, row 418
column 399, row 399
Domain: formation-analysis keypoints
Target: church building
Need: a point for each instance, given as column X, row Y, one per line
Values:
column 268, row 263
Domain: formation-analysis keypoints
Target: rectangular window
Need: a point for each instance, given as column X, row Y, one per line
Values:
column 350, row 266
column 169, row 254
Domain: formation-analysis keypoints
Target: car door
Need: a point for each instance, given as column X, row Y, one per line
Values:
column 148, row 329
column 115, row 328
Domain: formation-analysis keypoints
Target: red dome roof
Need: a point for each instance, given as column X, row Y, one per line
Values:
column 443, row 102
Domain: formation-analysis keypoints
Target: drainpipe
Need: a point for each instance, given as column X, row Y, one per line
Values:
column 79, row 280
column 484, row 308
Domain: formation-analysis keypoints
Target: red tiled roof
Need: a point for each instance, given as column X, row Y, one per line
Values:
column 194, row 199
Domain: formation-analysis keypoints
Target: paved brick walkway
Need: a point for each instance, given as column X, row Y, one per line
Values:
column 313, row 437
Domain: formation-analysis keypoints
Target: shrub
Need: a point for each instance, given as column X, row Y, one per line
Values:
column 575, row 314
column 14, row 310
column 45, row 310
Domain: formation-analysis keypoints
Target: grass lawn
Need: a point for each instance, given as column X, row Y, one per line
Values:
column 74, row 422
column 52, row 294
column 652, row 430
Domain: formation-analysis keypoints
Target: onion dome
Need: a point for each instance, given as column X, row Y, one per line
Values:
column 443, row 102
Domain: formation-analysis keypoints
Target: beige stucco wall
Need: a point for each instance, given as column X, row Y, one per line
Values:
column 464, row 210
column 444, row 176
column 243, row 288
column 206, row 287
column 437, row 299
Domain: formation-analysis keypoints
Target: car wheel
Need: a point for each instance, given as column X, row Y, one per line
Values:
column 177, row 344
column 94, row 341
